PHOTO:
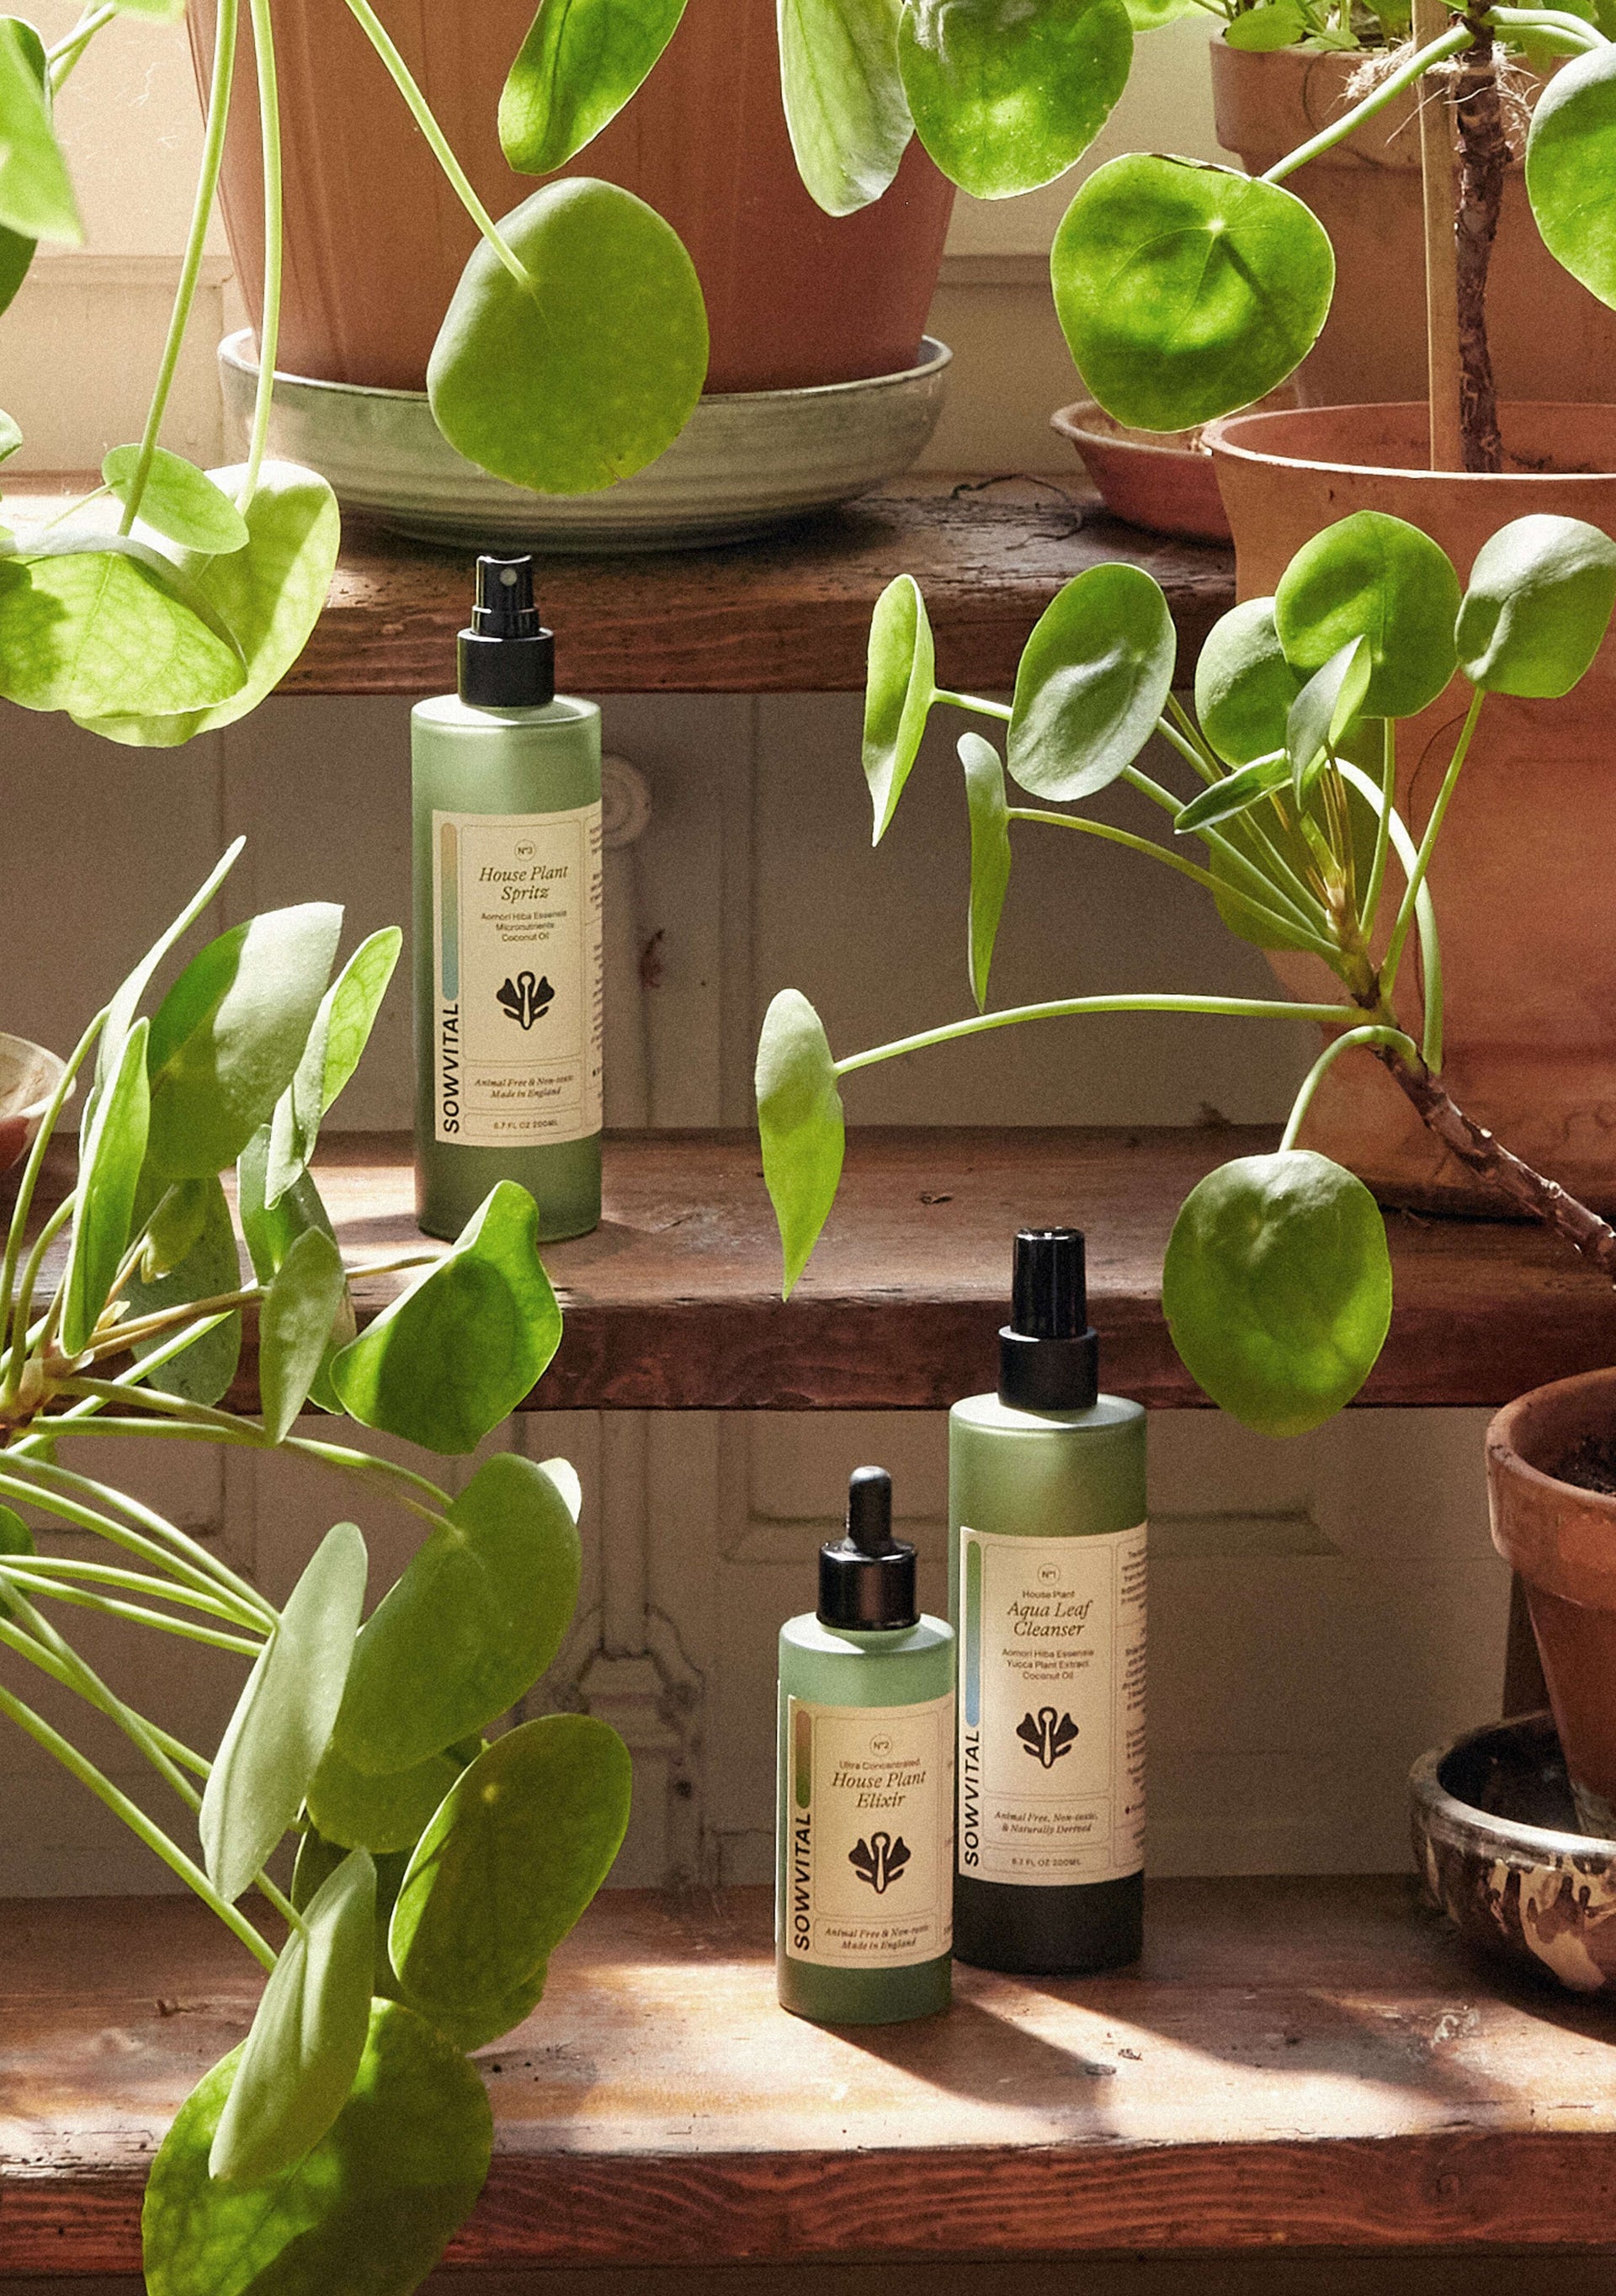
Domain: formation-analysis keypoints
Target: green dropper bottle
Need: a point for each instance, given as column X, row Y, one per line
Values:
column 507, row 917
column 865, row 1823
column 1047, row 1508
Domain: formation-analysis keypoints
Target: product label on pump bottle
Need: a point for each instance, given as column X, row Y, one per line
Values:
column 516, row 923
column 869, row 1819
column 1052, row 1707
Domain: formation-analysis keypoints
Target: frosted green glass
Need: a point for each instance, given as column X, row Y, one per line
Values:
column 497, row 761
column 904, row 1666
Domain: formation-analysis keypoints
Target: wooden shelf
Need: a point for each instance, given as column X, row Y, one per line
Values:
column 1307, row 2061
column 674, row 1304
column 788, row 614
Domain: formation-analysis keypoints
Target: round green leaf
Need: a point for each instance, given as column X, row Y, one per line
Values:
column 458, row 1352
column 523, row 1840
column 368, row 2211
column 899, row 688
column 209, row 1265
column 1271, row 24
column 298, row 2061
column 269, row 595
column 587, row 368
column 990, row 855
column 283, row 1721
column 1244, row 684
column 471, row 1624
column 357, row 1811
column 801, row 1126
column 581, row 62
column 1093, row 680
column 1374, row 577
column 845, row 107
column 96, row 623
column 179, row 501
column 1571, row 167
column 109, row 1158
column 1185, row 290
column 1538, row 607
column 1277, row 1289
column 1007, row 93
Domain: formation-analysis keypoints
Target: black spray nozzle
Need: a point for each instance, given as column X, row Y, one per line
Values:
column 507, row 657
column 866, row 1578
column 1049, row 1360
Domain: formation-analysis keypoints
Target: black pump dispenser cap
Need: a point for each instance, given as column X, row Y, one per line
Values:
column 1049, row 1360
column 507, row 657
column 866, row 1579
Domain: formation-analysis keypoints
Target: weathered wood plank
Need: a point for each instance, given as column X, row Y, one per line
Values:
column 1306, row 2061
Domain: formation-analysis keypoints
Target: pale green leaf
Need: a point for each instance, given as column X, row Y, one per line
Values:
column 801, row 1125
column 581, row 62
column 295, row 1324
column 845, row 107
column 179, row 501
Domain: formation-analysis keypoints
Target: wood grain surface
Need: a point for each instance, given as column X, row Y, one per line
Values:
column 1303, row 2061
column 788, row 614
column 673, row 1304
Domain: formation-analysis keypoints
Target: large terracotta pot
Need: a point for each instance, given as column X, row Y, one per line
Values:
column 1563, row 1541
column 1523, row 875
column 1550, row 339
column 376, row 240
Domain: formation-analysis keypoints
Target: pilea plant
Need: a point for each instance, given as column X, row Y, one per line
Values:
column 1278, row 1282
column 436, row 1870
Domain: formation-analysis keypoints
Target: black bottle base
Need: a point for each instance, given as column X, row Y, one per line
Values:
column 1035, row 1931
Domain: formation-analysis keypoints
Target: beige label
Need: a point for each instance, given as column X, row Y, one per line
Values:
column 1052, row 1707
column 869, row 1878
column 516, row 914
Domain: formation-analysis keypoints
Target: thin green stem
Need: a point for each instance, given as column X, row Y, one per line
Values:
column 1382, row 828
column 53, row 1225
column 1373, row 1033
column 52, row 1489
column 1385, row 92
column 177, row 1551
column 1253, row 1008
column 61, row 60
column 999, row 710
column 269, row 331
column 191, row 267
column 1186, row 868
column 17, row 1575
column 143, row 1827
column 31, row 1634
column 1205, row 764
column 1425, row 915
column 1186, row 749
column 134, row 1582
column 421, row 112
column 279, row 1901
column 1284, row 885
column 46, row 1431
column 120, row 1337
column 24, row 1205
column 1450, row 779
column 1575, row 29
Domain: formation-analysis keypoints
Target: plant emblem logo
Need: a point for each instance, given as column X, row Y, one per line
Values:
column 1047, row 1736
column 880, row 1861
column 526, row 1000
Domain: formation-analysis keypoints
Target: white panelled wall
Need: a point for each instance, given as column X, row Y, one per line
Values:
column 1321, row 1611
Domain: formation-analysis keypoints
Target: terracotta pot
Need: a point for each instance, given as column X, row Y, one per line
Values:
column 1562, row 1542
column 376, row 240
column 1521, row 879
column 1160, row 480
column 28, row 1076
column 1550, row 339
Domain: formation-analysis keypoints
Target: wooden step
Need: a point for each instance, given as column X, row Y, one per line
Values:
column 1305, row 2063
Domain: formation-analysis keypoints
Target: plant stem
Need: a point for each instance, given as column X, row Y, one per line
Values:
column 43, row 1241
column 46, row 1431
column 1186, row 749
column 24, row 1205
column 16, row 1576
column 134, row 1582
column 61, row 60
column 138, row 1823
column 1575, row 28
column 1000, row 709
column 1379, row 97
column 57, row 1491
column 1382, row 828
column 207, row 185
column 1284, row 885
column 1253, row 1008
column 120, row 1337
column 1190, row 869
column 41, row 1642
column 1442, row 363
column 1483, row 158
column 1205, row 764
column 1372, row 1033
column 422, row 113
column 1400, row 930
column 269, row 331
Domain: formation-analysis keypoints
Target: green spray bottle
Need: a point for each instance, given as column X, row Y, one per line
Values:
column 865, row 1817
column 507, row 918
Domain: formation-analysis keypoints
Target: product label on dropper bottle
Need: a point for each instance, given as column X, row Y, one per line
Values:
column 1052, row 1707
column 516, row 921
column 870, row 1812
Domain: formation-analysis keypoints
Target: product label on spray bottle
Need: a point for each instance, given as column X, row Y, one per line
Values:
column 869, row 1813
column 516, row 926
column 1052, row 1707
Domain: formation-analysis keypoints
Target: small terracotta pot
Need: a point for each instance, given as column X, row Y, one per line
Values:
column 1550, row 338
column 28, row 1076
column 376, row 240
column 1521, row 877
column 1562, row 1542
column 1160, row 480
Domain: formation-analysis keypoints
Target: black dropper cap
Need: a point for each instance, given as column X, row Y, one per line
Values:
column 866, row 1579
column 507, row 657
column 1049, row 1360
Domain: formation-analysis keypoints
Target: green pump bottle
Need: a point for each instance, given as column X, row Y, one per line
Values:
column 507, row 918
column 864, row 1818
